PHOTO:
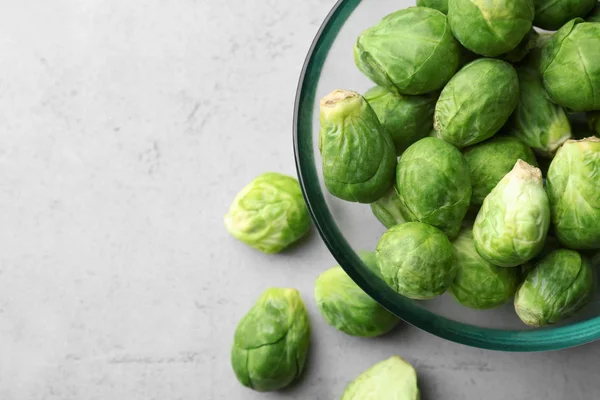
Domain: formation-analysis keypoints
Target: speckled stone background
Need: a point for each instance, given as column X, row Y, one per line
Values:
column 126, row 128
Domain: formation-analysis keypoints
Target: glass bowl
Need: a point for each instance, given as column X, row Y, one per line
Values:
column 348, row 228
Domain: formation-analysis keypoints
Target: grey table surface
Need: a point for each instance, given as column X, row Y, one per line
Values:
column 126, row 128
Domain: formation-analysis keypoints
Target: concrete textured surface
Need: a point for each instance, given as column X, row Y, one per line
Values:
column 126, row 128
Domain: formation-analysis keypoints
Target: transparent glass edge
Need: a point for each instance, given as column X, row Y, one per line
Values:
column 491, row 339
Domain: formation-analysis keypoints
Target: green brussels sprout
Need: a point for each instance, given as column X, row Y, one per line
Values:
column 574, row 193
column 440, row 5
column 558, row 286
column 551, row 15
column 411, row 51
column 529, row 42
column 594, row 16
column 346, row 307
column 390, row 379
column 537, row 121
column 480, row 284
column 434, row 185
column 490, row 28
column 416, row 260
column 513, row 223
column 406, row 118
column 570, row 66
column 594, row 121
column 359, row 158
column 388, row 209
column 491, row 160
column 269, row 214
column 271, row 341
column 476, row 102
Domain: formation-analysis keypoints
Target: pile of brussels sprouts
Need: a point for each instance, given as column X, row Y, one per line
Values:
column 477, row 149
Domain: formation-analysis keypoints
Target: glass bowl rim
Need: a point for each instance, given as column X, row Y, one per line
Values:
column 553, row 338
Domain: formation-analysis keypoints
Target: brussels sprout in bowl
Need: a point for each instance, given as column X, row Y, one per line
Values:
column 348, row 228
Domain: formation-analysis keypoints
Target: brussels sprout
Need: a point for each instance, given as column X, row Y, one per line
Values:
column 574, row 193
column 537, row 121
column 490, row 28
column 478, row 283
column 491, row 160
column 558, row 286
column 551, row 15
column 388, row 209
column 411, row 51
column 347, row 308
column 391, row 379
column 529, row 42
column 594, row 121
column 570, row 66
column 594, row 16
column 269, row 214
column 440, row 5
column 359, row 158
column 476, row 102
column 406, row 118
column 434, row 185
column 512, row 225
column 416, row 260
column 271, row 341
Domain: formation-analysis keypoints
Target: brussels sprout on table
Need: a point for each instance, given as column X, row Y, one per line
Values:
column 434, row 185
column 410, row 51
column 480, row 284
column 391, row 379
column 271, row 341
column 537, row 121
column 269, row 214
column 476, row 102
column 440, row 5
column 388, row 209
column 551, row 15
column 570, row 66
column 490, row 28
column 594, row 122
column 359, row 158
column 416, row 260
column 491, row 160
column 558, row 286
column 348, row 308
column 512, row 225
column 406, row 118
column 573, row 185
